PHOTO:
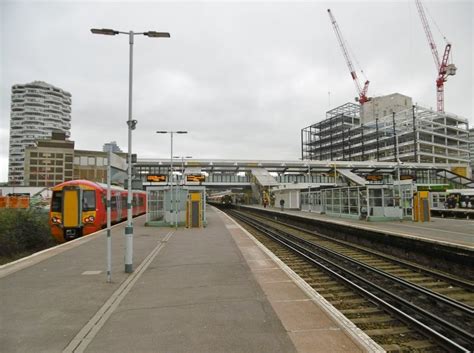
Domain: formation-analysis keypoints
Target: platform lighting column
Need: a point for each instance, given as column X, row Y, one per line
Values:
column 182, row 166
column 174, row 209
column 398, row 176
column 397, row 156
column 309, row 188
column 182, row 176
column 131, row 126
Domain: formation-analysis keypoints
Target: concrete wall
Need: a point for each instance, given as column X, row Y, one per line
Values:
column 379, row 107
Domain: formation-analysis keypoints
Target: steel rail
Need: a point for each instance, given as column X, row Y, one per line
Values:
column 309, row 255
column 444, row 299
column 456, row 281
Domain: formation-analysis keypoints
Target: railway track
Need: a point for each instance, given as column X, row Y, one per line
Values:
column 401, row 306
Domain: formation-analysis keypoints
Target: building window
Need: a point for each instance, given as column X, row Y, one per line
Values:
column 77, row 160
column 83, row 160
column 91, row 161
column 68, row 158
column 59, row 155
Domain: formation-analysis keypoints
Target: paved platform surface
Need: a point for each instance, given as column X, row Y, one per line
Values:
column 453, row 231
column 193, row 290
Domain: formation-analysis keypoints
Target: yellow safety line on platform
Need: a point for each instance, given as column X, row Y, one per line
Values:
column 88, row 332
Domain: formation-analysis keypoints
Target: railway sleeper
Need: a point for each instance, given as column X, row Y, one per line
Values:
column 451, row 290
column 420, row 344
column 403, row 272
column 350, row 302
column 424, row 281
column 467, row 298
column 372, row 262
column 376, row 318
column 399, row 330
column 368, row 310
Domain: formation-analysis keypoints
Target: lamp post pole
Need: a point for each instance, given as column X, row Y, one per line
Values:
column 182, row 166
column 173, row 203
column 178, row 201
column 131, row 126
column 309, row 188
column 398, row 176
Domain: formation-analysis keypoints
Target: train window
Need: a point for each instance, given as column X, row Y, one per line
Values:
column 113, row 203
column 56, row 201
column 88, row 200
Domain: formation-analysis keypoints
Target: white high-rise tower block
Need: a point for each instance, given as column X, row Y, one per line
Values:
column 37, row 109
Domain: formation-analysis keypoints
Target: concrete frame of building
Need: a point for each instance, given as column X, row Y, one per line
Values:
column 37, row 109
column 424, row 136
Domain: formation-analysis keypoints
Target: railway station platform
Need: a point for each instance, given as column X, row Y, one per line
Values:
column 453, row 232
column 213, row 289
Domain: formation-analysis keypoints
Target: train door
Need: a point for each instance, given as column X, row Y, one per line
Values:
column 71, row 209
column 194, row 210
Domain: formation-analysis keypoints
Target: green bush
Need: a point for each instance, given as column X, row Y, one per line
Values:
column 24, row 231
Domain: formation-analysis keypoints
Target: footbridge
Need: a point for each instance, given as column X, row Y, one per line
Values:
column 227, row 173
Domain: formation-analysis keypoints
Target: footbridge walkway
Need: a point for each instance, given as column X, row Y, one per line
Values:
column 224, row 173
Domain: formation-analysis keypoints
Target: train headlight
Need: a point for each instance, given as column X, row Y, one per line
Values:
column 56, row 220
column 89, row 219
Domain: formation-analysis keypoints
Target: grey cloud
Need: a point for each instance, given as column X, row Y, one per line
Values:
column 242, row 77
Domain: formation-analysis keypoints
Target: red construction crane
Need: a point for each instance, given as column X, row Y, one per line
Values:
column 361, row 91
column 443, row 68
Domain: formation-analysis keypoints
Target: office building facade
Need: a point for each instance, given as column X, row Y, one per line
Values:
column 49, row 162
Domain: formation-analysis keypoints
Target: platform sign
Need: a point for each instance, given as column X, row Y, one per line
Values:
column 374, row 177
column 117, row 169
column 407, row 177
column 195, row 178
column 156, row 178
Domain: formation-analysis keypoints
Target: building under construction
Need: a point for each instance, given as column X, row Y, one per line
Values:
column 415, row 134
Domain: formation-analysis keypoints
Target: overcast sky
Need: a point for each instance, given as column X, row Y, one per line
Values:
column 242, row 77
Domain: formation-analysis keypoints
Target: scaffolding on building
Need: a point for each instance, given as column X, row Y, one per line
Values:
column 418, row 135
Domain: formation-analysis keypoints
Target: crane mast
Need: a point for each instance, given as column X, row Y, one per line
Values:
column 361, row 91
column 443, row 68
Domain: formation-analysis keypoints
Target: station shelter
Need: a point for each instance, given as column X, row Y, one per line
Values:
column 372, row 202
column 176, row 206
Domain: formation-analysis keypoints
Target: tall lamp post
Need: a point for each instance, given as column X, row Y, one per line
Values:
column 309, row 188
column 171, row 168
column 182, row 166
column 131, row 126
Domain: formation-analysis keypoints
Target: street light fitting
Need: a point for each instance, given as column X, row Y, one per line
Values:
column 181, row 132
column 154, row 34
column 106, row 31
column 162, row 132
